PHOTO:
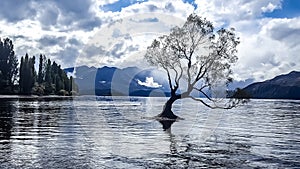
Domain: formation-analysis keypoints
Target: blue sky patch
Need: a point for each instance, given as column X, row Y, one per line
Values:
column 192, row 2
column 117, row 6
column 289, row 9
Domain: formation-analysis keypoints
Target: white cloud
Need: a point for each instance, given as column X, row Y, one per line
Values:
column 284, row 30
column 270, row 51
column 167, row 7
column 269, row 8
column 103, row 2
column 227, row 12
column 79, row 32
column 123, row 42
column 48, row 27
column 149, row 83
column 268, row 46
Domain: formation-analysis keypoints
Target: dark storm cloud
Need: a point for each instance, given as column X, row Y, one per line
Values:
column 13, row 11
column 150, row 20
column 73, row 14
column 93, row 50
column 89, row 24
column 77, row 8
column 67, row 56
column 16, row 37
column 74, row 41
column 118, row 50
column 118, row 34
column 288, row 35
column 77, row 13
column 154, row 19
column 292, row 64
column 152, row 8
column 49, row 15
column 52, row 41
column 115, row 52
column 169, row 7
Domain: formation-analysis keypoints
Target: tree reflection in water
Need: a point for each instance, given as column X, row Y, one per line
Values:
column 167, row 126
column 6, row 119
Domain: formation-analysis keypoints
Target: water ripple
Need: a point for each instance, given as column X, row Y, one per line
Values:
column 93, row 132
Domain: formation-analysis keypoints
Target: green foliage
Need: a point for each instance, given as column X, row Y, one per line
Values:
column 241, row 94
column 62, row 92
column 50, row 79
column 27, row 75
column 8, row 65
column 42, row 69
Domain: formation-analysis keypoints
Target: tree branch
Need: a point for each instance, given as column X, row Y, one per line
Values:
column 234, row 104
column 200, row 100
column 180, row 75
column 200, row 90
column 201, row 74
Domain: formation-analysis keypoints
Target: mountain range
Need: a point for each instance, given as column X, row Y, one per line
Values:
column 132, row 81
column 286, row 86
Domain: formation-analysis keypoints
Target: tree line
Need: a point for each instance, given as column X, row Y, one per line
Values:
column 23, row 79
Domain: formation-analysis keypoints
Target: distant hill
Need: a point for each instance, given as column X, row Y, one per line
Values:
column 130, row 81
column 106, row 81
column 239, row 84
column 285, row 86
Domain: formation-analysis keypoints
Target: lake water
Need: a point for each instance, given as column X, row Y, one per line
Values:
column 118, row 132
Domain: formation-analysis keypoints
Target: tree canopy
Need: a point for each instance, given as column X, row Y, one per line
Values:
column 196, row 58
column 27, row 74
column 50, row 79
column 8, row 64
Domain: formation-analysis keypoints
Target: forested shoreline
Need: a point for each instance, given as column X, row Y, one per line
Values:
column 23, row 79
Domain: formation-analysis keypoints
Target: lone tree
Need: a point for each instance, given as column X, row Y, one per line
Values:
column 196, row 57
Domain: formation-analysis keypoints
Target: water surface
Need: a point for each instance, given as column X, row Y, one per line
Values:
column 105, row 132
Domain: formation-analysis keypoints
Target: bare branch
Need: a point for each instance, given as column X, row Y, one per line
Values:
column 230, row 106
column 201, row 91
column 200, row 74
column 200, row 100
column 204, row 86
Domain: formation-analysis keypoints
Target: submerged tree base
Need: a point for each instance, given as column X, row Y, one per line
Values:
column 167, row 114
column 164, row 121
column 167, row 122
column 167, row 110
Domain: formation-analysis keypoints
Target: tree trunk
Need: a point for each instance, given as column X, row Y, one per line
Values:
column 167, row 111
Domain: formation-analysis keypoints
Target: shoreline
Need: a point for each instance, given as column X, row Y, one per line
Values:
column 35, row 97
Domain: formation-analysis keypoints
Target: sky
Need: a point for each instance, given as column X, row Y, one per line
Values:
column 117, row 32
